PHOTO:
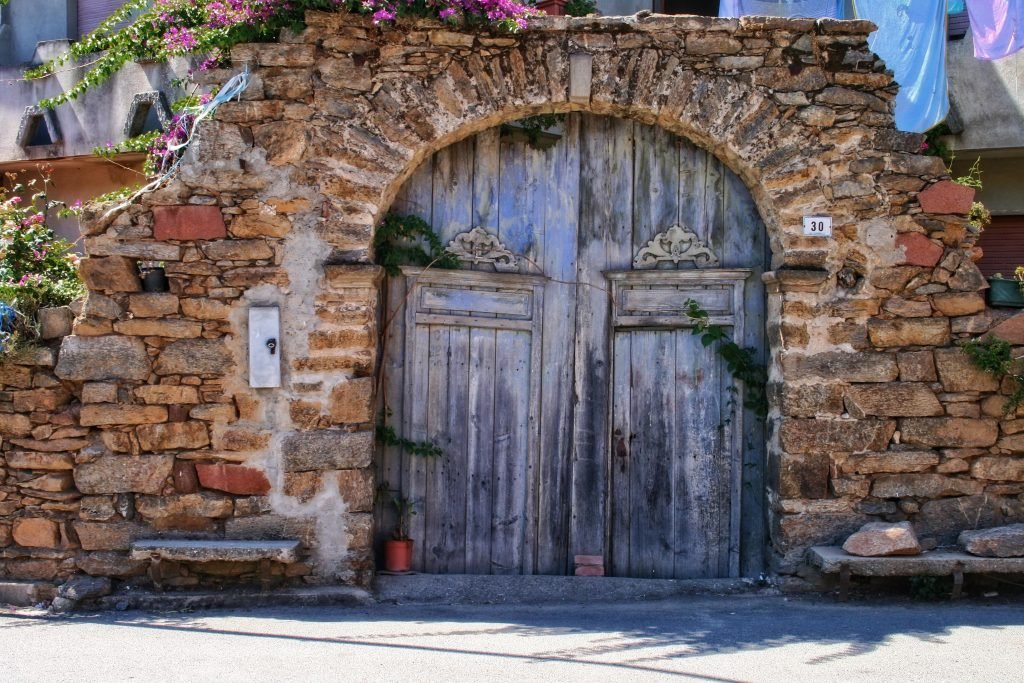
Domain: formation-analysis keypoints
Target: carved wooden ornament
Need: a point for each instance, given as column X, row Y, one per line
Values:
column 479, row 246
column 675, row 244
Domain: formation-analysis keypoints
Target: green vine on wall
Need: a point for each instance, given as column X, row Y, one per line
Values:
column 389, row 437
column 409, row 240
column 995, row 356
column 741, row 361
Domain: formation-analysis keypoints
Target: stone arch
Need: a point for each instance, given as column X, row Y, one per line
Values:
column 277, row 202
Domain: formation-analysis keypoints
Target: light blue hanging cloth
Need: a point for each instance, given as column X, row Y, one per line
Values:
column 956, row 6
column 911, row 38
column 782, row 8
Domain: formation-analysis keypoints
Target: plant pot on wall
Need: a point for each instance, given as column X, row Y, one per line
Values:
column 1005, row 292
column 154, row 278
column 398, row 555
column 554, row 8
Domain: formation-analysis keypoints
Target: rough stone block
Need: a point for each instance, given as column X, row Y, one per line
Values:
column 36, row 532
column 188, row 222
column 809, row 400
column 172, row 435
column 1011, row 330
column 356, row 488
column 260, row 225
column 107, row 535
column 15, row 425
column 882, row 539
column 352, row 401
column 918, row 249
column 238, row 250
column 95, row 414
column 194, row 357
column 205, row 309
column 835, row 436
column 153, row 305
column 958, row 373
column 151, row 327
column 55, row 322
column 803, row 476
column 949, row 432
column 167, row 394
column 909, row 332
column 892, row 400
column 923, row 486
column 326, row 450
column 946, row 197
column 110, row 273
column 891, row 462
column 236, row 479
column 1005, row 541
column 916, row 366
column 102, row 358
column 124, row 474
column 28, row 460
column 998, row 469
column 958, row 303
column 842, row 367
column 203, row 504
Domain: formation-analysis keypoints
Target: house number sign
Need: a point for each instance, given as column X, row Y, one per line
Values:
column 817, row 226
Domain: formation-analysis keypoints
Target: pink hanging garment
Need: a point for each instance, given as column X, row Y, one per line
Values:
column 997, row 27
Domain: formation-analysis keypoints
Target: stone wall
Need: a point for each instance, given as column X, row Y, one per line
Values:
column 875, row 414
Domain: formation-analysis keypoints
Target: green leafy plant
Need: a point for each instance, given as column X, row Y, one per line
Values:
column 580, row 8
column 934, row 146
column 37, row 268
column 389, row 437
column 404, row 507
column 973, row 176
column 740, row 361
column 995, row 356
column 533, row 127
column 927, row 588
column 979, row 217
column 409, row 240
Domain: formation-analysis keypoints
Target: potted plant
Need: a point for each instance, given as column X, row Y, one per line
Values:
column 1007, row 291
column 398, row 548
column 154, row 278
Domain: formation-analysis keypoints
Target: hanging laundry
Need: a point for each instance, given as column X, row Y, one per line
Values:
column 997, row 27
column 955, row 7
column 782, row 8
column 911, row 38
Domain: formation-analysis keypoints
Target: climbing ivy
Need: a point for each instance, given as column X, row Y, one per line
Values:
column 409, row 240
column 389, row 437
column 995, row 356
column 739, row 360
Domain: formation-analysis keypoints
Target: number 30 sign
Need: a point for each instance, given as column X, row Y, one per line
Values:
column 818, row 226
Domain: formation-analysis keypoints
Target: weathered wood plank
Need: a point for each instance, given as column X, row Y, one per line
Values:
column 556, row 375
column 486, row 179
column 693, row 163
column 416, row 196
column 453, row 190
column 521, row 199
column 414, row 469
column 453, row 559
column 651, row 543
column 480, row 452
column 656, row 183
column 511, row 443
column 621, row 503
column 391, row 397
column 605, row 239
column 436, row 398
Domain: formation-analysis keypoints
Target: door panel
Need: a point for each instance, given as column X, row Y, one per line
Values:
column 533, row 386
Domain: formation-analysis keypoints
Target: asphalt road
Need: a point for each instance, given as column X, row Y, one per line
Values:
column 750, row 638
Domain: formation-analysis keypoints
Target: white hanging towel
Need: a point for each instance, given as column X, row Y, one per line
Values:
column 997, row 27
column 781, row 8
column 911, row 38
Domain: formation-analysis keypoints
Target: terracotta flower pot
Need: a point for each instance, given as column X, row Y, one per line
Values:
column 554, row 8
column 398, row 555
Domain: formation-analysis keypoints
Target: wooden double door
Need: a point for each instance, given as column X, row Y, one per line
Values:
column 557, row 370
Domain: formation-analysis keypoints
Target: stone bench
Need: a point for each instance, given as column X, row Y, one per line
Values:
column 955, row 563
column 185, row 550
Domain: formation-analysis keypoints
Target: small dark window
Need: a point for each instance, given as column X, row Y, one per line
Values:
column 147, row 119
column 39, row 133
column 707, row 8
column 959, row 25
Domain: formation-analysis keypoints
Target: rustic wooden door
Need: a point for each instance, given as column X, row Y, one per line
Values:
column 521, row 365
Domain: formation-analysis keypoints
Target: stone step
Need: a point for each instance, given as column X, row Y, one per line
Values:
column 504, row 589
column 305, row 596
column 189, row 550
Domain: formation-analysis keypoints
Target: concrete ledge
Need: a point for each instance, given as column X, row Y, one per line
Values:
column 515, row 589
column 216, row 551
column 829, row 559
column 196, row 600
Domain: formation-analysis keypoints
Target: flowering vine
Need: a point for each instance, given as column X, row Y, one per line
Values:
column 160, row 29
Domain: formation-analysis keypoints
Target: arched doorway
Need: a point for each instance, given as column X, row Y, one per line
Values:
column 577, row 412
